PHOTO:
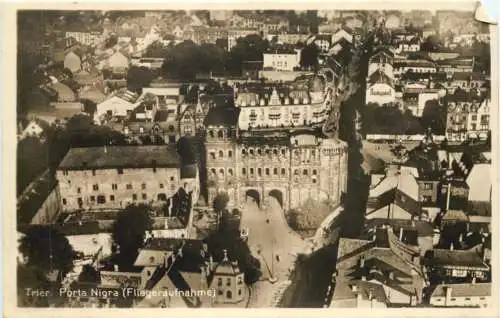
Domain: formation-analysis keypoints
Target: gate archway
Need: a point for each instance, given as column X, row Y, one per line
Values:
column 254, row 194
column 278, row 195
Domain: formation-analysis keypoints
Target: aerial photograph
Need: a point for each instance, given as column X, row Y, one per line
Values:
column 253, row 159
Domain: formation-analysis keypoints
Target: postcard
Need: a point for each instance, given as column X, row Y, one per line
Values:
column 261, row 158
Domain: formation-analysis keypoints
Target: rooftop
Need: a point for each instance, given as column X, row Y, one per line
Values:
column 222, row 116
column 120, row 157
column 463, row 290
column 459, row 258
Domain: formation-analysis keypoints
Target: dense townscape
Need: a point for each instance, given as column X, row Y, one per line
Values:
column 336, row 159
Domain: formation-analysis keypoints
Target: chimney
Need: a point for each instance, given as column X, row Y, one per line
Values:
column 116, row 268
column 354, row 288
column 203, row 277
column 363, row 278
column 401, row 233
column 105, row 149
column 448, row 291
column 461, row 238
column 359, row 297
column 211, row 263
column 473, row 280
column 362, row 262
column 451, row 246
column 225, row 259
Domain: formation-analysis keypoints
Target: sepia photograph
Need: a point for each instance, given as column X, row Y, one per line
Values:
column 337, row 158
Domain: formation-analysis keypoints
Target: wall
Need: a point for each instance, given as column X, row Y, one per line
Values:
column 90, row 244
column 75, row 184
column 285, row 76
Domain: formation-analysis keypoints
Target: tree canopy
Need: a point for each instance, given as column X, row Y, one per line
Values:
column 309, row 56
column 434, row 116
column 389, row 119
column 138, row 78
column 47, row 249
column 129, row 232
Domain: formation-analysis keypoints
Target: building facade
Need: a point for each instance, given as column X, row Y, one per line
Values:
column 284, row 61
column 109, row 178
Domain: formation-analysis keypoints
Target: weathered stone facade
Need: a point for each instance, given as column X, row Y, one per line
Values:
column 288, row 168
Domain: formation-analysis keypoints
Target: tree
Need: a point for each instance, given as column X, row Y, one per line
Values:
column 89, row 274
column 139, row 77
column 433, row 116
column 156, row 49
column 309, row 56
column 30, row 277
column 47, row 249
column 129, row 231
column 111, row 41
column 249, row 48
column 32, row 160
column 187, row 150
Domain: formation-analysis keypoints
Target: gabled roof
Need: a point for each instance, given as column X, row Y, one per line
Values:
column 379, row 77
column 222, row 116
column 463, row 258
column 463, row 290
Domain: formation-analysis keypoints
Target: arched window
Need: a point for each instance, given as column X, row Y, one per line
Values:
column 305, row 172
column 275, row 152
column 230, row 171
column 243, row 171
column 211, row 133
column 283, row 171
column 243, row 151
column 315, row 172
column 220, row 134
column 221, row 172
column 313, row 153
column 283, row 151
column 221, row 153
column 213, row 171
column 267, row 171
column 296, row 172
column 259, row 171
column 251, row 171
column 251, row 151
column 268, row 152
column 259, row 152
column 275, row 171
column 230, row 153
column 229, row 294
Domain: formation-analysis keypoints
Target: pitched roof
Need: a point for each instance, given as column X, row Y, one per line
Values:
column 120, row 157
column 380, row 77
column 464, row 258
column 222, row 116
column 463, row 290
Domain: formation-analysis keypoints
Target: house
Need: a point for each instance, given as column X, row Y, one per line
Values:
column 395, row 197
column 428, row 31
column 360, row 294
column 292, row 38
column 456, row 266
column 467, row 81
column 118, row 63
column 392, row 22
column 480, row 189
column 476, row 295
column 416, row 99
column 384, row 261
column 41, row 204
column 380, row 88
column 458, row 64
column 35, row 128
column 119, row 104
column 64, row 93
column 382, row 60
column 72, row 62
column 191, row 119
column 323, row 42
column 341, row 34
column 250, row 69
column 402, row 67
column 57, row 113
column 283, row 59
column 479, row 120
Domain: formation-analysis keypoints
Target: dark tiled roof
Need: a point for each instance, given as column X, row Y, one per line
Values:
column 29, row 204
column 120, row 157
column 380, row 77
column 467, row 258
column 222, row 116
column 463, row 290
column 466, row 76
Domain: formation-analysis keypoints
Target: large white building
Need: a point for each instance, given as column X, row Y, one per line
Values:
column 109, row 178
column 380, row 88
column 283, row 61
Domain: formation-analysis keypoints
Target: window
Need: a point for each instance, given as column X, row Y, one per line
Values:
column 427, row 186
column 64, row 201
column 305, row 172
column 154, row 169
column 65, row 172
column 229, row 294
column 296, row 172
column 95, row 187
column 259, row 171
column 211, row 133
column 79, row 190
column 474, row 117
column 220, row 292
column 213, row 171
column 228, row 281
column 230, row 171
column 144, row 196
column 267, row 171
column 251, row 171
column 259, row 152
column 119, row 171
column 275, row 171
column 239, row 292
column 220, row 134
column 134, row 197
column 283, row 171
column 143, row 186
column 129, row 186
column 467, row 298
column 172, row 178
column 243, row 152
column 101, row 199
column 240, row 280
column 221, row 172
column 283, row 151
column 92, row 198
column 219, row 282
column 243, row 171
column 161, row 185
column 453, row 299
column 114, row 186
column 315, row 172
column 93, row 172
column 212, row 155
column 221, row 154
column 230, row 154
column 275, row 152
column 251, row 152
column 111, row 198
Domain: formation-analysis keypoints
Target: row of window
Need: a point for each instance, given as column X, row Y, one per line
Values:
column 101, row 199
column 267, row 171
column 228, row 281
column 129, row 186
column 118, row 170
column 221, row 154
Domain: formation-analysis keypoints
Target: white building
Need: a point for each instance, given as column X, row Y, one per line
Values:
column 341, row 34
column 118, row 105
column 462, row 295
column 383, row 61
column 86, row 38
column 380, row 88
column 479, row 120
column 283, row 61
